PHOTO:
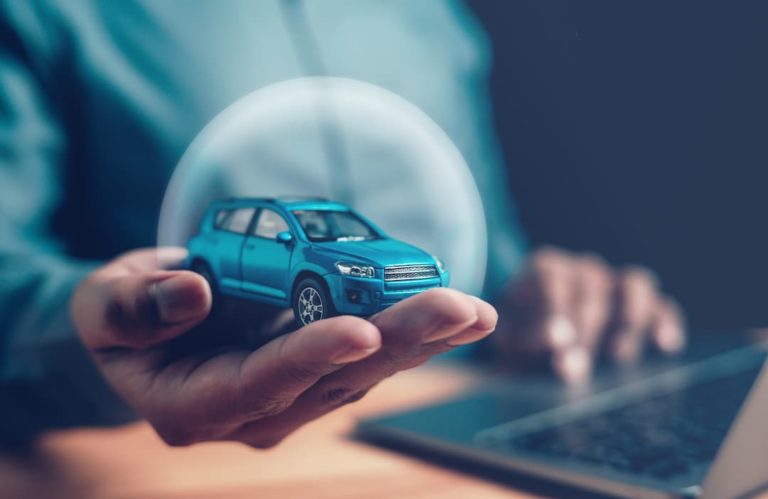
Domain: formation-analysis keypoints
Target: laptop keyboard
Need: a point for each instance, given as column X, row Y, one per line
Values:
column 663, row 436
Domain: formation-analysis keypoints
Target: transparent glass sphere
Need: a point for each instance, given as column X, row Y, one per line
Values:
column 345, row 140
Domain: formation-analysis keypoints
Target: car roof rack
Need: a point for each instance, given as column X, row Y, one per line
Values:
column 288, row 199
column 284, row 199
column 246, row 198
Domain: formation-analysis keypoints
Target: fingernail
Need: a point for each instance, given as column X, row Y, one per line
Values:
column 469, row 336
column 443, row 331
column 179, row 299
column 574, row 365
column 352, row 355
column 560, row 332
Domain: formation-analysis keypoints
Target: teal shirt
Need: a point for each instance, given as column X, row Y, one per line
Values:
column 99, row 100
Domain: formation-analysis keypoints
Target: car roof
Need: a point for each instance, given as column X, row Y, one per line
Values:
column 288, row 203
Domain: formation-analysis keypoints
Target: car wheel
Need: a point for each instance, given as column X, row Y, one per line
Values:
column 311, row 302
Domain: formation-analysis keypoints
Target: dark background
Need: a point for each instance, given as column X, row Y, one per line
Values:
column 639, row 130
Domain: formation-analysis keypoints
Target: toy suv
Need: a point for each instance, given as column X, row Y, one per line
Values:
column 317, row 256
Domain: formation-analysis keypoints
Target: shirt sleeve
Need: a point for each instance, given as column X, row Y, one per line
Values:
column 47, row 379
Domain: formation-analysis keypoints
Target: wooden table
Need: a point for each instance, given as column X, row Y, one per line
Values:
column 318, row 461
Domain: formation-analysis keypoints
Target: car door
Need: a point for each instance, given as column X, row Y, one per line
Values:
column 231, row 234
column 266, row 262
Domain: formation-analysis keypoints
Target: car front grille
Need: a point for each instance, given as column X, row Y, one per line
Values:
column 409, row 272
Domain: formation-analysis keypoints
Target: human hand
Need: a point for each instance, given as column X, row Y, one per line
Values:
column 566, row 308
column 129, row 311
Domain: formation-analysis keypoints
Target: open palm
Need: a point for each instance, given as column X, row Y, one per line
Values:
column 131, row 311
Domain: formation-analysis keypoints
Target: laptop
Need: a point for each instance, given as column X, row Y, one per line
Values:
column 695, row 426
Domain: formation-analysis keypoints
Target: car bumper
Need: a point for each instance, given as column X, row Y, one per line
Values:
column 366, row 296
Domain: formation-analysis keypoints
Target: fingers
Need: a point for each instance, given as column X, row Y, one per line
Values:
column 568, row 308
column 130, row 303
column 273, row 376
column 138, row 311
column 208, row 396
column 539, row 304
column 411, row 332
column 487, row 317
column 261, row 397
column 551, row 289
column 592, row 296
column 589, row 312
column 426, row 318
column 418, row 328
column 668, row 331
column 636, row 301
column 569, row 299
column 133, row 303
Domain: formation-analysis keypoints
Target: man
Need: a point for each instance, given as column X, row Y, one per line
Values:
column 98, row 102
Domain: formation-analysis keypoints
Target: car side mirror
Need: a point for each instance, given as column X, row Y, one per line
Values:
column 284, row 237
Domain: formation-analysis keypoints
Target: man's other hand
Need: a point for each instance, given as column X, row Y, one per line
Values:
column 128, row 311
column 566, row 309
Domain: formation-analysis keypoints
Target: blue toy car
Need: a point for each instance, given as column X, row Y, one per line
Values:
column 317, row 256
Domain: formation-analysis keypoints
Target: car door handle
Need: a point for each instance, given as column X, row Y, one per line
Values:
column 250, row 246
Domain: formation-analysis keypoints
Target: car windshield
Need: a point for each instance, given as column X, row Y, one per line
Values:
column 329, row 225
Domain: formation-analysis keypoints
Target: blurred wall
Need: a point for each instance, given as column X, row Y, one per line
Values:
column 639, row 130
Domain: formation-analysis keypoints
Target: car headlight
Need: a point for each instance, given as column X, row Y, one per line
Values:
column 355, row 269
column 439, row 263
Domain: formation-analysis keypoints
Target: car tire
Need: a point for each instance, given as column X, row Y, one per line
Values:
column 312, row 293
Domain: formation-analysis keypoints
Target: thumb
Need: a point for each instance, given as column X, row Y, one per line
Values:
column 139, row 310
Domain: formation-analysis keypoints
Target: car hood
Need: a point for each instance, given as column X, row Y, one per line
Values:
column 376, row 252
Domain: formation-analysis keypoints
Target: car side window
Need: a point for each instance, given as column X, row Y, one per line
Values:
column 270, row 224
column 239, row 219
column 222, row 218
